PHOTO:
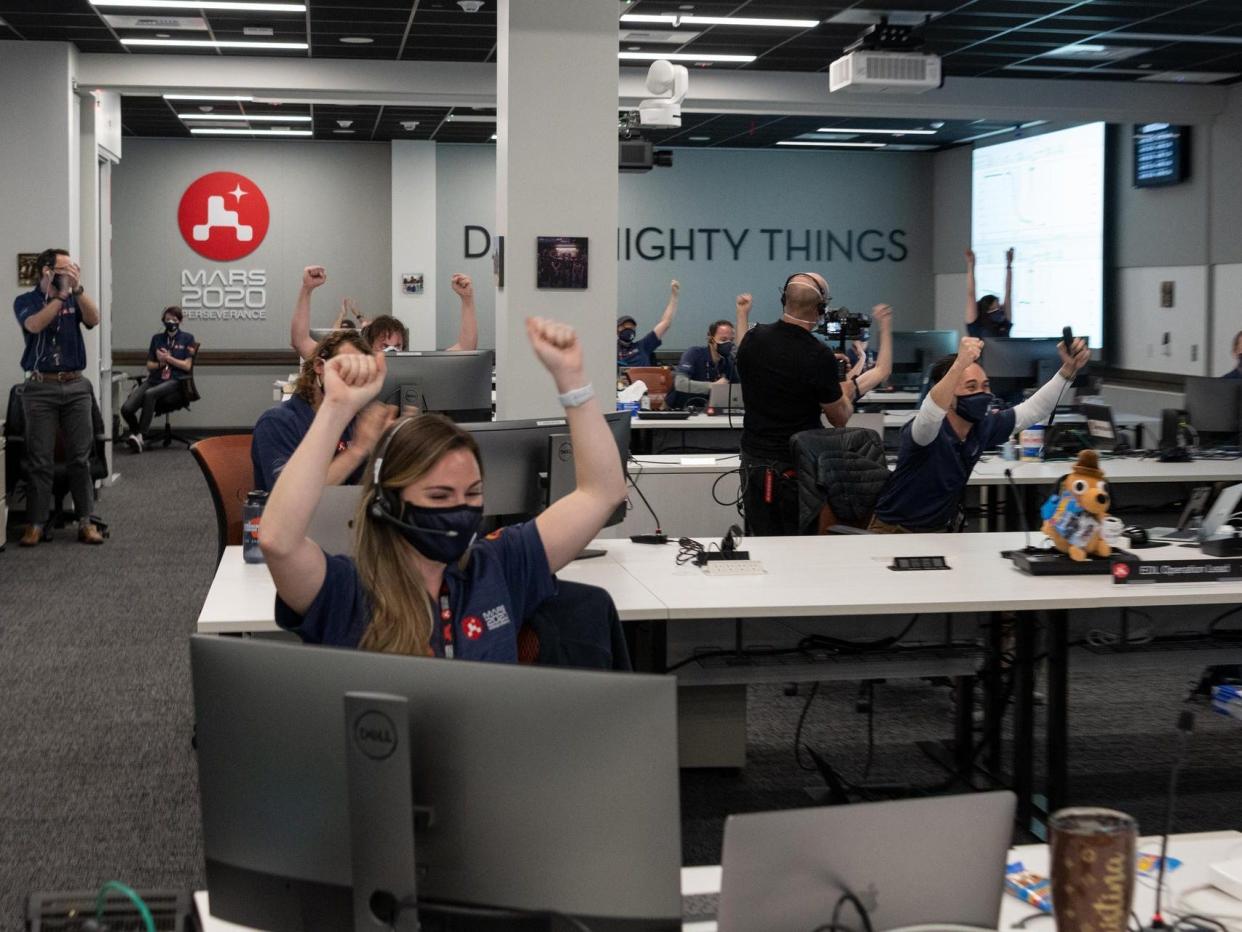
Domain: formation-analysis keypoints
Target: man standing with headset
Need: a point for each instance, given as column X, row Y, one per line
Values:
column 56, row 395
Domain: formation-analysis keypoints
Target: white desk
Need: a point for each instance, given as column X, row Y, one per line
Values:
column 1196, row 851
column 991, row 471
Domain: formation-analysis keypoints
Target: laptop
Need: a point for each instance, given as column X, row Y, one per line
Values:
column 331, row 525
column 910, row 862
column 1224, row 508
column 725, row 398
column 1101, row 428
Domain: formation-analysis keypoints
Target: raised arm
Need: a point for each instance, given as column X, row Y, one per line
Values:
column 568, row 524
column 883, row 368
column 941, row 397
column 86, row 304
column 972, row 304
column 670, row 310
column 1007, row 307
column 1036, row 408
column 294, row 560
column 299, row 328
column 468, row 333
column 744, row 303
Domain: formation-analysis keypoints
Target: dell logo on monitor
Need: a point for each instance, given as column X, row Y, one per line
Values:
column 375, row 735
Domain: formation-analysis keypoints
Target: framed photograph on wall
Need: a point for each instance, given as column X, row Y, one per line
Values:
column 27, row 269
column 411, row 282
column 561, row 262
column 498, row 261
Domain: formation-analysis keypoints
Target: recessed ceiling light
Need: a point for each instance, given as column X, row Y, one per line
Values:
column 344, row 124
column 493, row 137
column 163, row 35
column 467, row 118
column 206, row 131
column 832, row 145
column 216, row 44
column 206, row 108
column 880, row 132
column 357, row 40
column 751, row 21
column 1214, row 39
column 1189, row 77
column 246, row 117
column 634, row 48
column 258, row 31
column 1088, row 51
column 686, row 6
column 683, row 56
column 409, row 125
column 700, row 138
column 204, row 97
column 205, row 5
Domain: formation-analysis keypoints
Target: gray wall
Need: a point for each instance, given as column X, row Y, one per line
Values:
column 329, row 203
column 734, row 190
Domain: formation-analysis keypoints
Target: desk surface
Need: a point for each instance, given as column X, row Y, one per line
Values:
column 991, row 471
column 892, row 419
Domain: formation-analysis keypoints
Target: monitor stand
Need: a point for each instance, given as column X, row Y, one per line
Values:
column 381, row 811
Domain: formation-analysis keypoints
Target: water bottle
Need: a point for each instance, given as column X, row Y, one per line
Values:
column 252, row 515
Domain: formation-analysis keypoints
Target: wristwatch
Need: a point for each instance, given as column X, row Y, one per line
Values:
column 77, row 291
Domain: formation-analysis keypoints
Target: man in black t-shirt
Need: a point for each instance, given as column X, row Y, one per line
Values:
column 789, row 378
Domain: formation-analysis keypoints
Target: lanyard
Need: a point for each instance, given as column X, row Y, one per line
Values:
column 446, row 621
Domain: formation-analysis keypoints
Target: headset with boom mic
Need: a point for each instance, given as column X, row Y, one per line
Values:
column 387, row 505
column 1185, row 728
column 823, row 296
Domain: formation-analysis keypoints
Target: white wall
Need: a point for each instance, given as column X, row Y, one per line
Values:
column 1227, row 319
column 414, row 239
column 1152, row 338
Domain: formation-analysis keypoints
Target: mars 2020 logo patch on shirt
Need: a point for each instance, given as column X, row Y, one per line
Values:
column 223, row 216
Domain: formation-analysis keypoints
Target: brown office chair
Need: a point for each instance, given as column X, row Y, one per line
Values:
column 225, row 462
column 659, row 381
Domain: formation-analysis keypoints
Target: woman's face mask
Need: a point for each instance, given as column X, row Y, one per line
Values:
column 442, row 535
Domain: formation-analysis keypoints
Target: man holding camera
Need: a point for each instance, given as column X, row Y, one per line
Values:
column 789, row 378
column 56, row 395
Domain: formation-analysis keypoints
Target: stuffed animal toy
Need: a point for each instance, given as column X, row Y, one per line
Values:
column 1074, row 517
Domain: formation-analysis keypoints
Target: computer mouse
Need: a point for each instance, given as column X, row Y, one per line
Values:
column 1136, row 535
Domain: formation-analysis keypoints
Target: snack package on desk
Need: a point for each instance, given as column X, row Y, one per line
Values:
column 1227, row 701
column 1036, row 890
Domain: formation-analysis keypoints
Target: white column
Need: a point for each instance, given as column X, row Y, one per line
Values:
column 414, row 238
column 39, row 185
column 556, row 175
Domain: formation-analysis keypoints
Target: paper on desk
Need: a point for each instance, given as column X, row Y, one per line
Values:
column 632, row 392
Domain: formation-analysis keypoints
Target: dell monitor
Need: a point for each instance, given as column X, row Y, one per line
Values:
column 456, row 384
column 517, row 455
column 338, row 783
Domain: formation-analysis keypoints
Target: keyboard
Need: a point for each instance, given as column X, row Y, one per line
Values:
column 1172, row 535
column 663, row 415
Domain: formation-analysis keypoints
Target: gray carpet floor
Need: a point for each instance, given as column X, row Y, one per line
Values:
column 97, row 775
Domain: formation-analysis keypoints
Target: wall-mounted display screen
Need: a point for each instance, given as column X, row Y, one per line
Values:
column 1043, row 196
column 1161, row 154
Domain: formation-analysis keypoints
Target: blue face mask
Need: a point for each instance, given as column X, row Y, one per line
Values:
column 973, row 408
column 441, row 535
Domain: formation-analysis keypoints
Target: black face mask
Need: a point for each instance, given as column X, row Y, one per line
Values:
column 725, row 348
column 628, row 335
column 171, row 326
column 442, row 535
column 974, row 408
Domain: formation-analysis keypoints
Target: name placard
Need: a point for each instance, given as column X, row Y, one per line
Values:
column 1175, row 571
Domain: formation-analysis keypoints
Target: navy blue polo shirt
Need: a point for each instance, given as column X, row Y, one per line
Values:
column 923, row 491
column 639, row 352
column 696, row 363
column 59, row 346
column 179, row 345
column 993, row 324
column 277, row 433
column 1234, row 373
column 505, row 578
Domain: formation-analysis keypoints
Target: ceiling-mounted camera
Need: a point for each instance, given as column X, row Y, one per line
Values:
column 635, row 153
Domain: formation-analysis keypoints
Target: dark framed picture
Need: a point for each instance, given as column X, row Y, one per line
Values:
column 27, row 269
column 561, row 262
column 498, row 261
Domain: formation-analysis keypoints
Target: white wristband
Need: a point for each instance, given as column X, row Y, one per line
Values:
column 576, row 396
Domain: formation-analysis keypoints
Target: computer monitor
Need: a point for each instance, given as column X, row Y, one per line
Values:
column 516, row 460
column 1214, row 408
column 562, row 477
column 457, row 384
column 328, row 775
column 1014, row 365
column 916, row 350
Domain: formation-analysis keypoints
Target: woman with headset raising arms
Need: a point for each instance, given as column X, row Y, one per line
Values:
column 420, row 583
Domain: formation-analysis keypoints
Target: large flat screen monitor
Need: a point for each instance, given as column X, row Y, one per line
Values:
column 1043, row 196
column 527, row 789
column 455, row 384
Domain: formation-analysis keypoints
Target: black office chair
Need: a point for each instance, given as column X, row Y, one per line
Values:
column 16, row 472
column 179, row 402
column 841, row 473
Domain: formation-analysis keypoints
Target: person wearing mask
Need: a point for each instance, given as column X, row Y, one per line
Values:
column 632, row 351
column 988, row 316
column 421, row 582
column 702, row 366
column 56, row 396
column 954, row 426
column 281, row 428
column 1236, row 371
column 384, row 332
column 790, row 379
column 170, row 357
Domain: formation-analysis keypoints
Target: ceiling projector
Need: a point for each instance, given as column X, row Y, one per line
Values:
column 886, row 59
column 670, row 82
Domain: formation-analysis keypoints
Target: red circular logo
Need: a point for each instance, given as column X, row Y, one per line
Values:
column 473, row 626
column 223, row 216
column 1121, row 571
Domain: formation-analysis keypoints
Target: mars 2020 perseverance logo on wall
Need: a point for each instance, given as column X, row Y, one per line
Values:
column 223, row 216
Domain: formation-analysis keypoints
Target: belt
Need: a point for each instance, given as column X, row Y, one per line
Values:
column 55, row 376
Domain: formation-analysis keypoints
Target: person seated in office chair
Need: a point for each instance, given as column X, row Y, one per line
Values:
column 702, row 366
column 988, row 316
column 420, row 582
column 1236, row 371
column 170, row 358
column 280, row 429
column 631, row 351
column 384, row 332
column 790, row 379
column 955, row 424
